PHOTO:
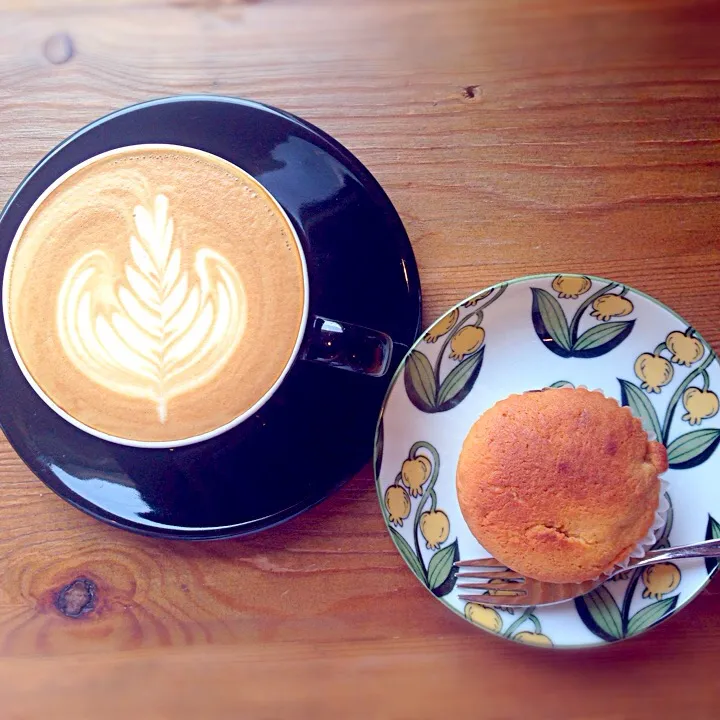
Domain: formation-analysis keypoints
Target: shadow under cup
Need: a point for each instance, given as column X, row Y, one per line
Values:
column 317, row 427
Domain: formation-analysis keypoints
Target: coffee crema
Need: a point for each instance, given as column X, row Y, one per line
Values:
column 155, row 294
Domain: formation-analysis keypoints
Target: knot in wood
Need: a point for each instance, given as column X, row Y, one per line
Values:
column 77, row 598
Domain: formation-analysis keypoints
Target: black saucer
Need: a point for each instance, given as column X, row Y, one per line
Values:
column 318, row 429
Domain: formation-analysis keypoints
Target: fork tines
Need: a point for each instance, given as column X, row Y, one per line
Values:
column 496, row 593
column 482, row 562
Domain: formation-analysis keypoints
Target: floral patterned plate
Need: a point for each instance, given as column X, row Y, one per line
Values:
column 551, row 331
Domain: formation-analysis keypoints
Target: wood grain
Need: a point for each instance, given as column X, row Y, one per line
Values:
column 513, row 137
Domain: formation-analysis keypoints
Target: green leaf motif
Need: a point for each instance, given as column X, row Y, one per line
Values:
column 600, row 613
column 441, row 573
column 379, row 446
column 562, row 384
column 693, row 448
column 408, row 554
column 550, row 323
column 651, row 615
column 712, row 533
column 459, row 381
column 634, row 398
column 601, row 339
column 420, row 382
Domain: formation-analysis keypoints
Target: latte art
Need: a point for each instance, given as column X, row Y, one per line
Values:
column 155, row 295
column 161, row 332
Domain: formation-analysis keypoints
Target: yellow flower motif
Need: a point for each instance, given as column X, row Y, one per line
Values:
column 466, row 342
column 442, row 327
column 609, row 306
column 498, row 581
column 414, row 473
column 486, row 617
column 435, row 528
column 571, row 286
column 686, row 349
column 660, row 580
column 477, row 298
column 700, row 405
column 397, row 503
column 654, row 371
column 533, row 638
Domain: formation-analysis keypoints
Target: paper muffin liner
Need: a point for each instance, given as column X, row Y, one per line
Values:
column 661, row 512
column 648, row 541
column 653, row 533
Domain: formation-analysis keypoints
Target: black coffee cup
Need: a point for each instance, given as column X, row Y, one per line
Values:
column 317, row 428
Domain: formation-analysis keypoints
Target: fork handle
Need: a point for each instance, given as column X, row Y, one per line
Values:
column 707, row 549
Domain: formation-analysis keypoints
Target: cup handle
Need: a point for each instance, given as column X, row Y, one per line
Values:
column 348, row 347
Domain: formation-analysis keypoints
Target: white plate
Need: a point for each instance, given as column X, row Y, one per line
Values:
column 534, row 332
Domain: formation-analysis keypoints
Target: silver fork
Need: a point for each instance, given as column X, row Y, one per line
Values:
column 506, row 587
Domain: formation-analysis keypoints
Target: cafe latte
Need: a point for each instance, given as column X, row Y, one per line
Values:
column 155, row 294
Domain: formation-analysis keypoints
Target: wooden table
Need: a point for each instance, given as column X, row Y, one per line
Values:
column 513, row 137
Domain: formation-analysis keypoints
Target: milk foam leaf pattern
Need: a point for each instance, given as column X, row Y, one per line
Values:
column 408, row 554
column 420, row 382
column 712, row 533
column 693, row 448
column 600, row 613
column 550, row 323
column 162, row 330
column 650, row 615
column 459, row 381
column 601, row 339
column 634, row 398
column 441, row 573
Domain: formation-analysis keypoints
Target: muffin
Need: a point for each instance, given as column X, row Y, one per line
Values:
column 561, row 484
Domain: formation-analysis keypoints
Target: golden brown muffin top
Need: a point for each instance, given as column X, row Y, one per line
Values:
column 559, row 484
